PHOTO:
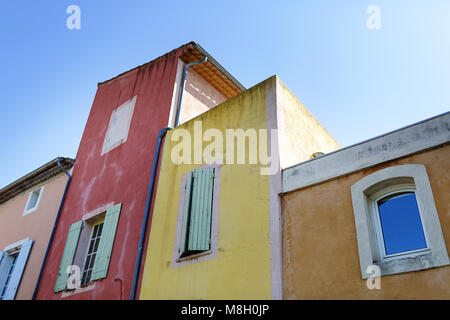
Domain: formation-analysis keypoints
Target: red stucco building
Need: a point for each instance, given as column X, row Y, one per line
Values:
column 99, row 228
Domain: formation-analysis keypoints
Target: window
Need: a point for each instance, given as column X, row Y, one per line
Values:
column 12, row 265
column 397, row 224
column 9, row 271
column 93, row 254
column 196, row 230
column 119, row 124
column 400, row 225
column 33, row 200
column 196, row 235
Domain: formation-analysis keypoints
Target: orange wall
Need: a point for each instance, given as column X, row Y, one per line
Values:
column 36, row 225
column 320, row 251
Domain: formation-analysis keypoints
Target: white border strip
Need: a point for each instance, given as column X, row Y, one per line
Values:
column 273, row 113
column 421, row 136
column 16, row 245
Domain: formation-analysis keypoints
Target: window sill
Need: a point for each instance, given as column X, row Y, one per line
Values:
column 28, row 211
column 194, row 256
column 87, row 287
column 421, row 261
column 409, row 255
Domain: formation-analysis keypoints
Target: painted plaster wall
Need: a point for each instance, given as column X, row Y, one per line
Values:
column 241, row 269
column 36, row 225
column 120, row 176
column 320, row 253
column 300, row 133
column 199, row 95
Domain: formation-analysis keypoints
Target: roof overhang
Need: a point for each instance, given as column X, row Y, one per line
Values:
column 211, row 70
column 34, row 178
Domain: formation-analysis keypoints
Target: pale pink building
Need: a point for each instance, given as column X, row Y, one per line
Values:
column 28, row 208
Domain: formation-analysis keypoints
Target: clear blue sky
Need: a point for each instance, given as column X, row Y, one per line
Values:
column 357, row 82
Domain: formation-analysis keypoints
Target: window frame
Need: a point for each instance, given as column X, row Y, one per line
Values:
column 108, row 146
column 378, row 185
column 9, row 273
column 375, row 215
column 108, row 214
column 92, row 228
column 34, row 208
column 22, row 249
column 177, row 260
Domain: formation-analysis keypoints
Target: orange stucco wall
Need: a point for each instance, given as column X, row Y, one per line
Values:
column 36, row 226
column 320, row 251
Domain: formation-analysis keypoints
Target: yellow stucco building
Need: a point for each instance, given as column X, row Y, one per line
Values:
column 226, row 195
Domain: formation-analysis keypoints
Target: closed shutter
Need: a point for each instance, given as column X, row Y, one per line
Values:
column 19, row 267
column 68, row 255
column 4, row 265
column 201, row 209
column 106, row 243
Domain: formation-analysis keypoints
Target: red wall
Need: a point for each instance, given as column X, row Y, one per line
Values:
column 121, row 175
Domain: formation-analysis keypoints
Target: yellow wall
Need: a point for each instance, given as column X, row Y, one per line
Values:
column 241, row 269
column 300, row 133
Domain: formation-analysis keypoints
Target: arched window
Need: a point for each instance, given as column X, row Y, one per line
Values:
column 396, row 220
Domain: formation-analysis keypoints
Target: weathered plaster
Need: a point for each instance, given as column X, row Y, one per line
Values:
column 320, row 247
column 424, row 135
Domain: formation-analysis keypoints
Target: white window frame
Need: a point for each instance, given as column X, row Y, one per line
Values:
column 107, row 146
column 82, row 250
column 27, row 211
column 91, row 227
column 373, row 201
column 379, row 184
column 11, row 249
column 178, row 261
column 7, row 275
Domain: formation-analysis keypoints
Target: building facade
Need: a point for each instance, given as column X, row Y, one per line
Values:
column 249, row 198
column 28, row 208
column 93, row 254
column 371, row 221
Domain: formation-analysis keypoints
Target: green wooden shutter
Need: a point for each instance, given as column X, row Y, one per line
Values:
column 68, row 255
column 186, row 210
column 199, row 238
column 103, row 256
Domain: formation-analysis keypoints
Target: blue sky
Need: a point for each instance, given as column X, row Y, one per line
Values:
column 357, row 82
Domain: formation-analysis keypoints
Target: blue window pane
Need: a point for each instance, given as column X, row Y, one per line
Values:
column 401, row 224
